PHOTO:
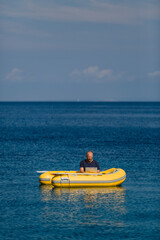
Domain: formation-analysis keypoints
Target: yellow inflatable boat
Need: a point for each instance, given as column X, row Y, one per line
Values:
column 108, row 178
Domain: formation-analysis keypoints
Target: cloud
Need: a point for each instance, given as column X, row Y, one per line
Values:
column 154, row 74
column 14, row 75
column 90, row 11
column 94, row 71
column 95, row 74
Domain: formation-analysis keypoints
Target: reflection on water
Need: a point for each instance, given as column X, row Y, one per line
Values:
column 86, row 206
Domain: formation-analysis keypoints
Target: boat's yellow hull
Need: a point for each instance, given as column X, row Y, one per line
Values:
column 108, row 178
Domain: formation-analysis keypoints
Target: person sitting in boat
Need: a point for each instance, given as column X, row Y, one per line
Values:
column 89, row 163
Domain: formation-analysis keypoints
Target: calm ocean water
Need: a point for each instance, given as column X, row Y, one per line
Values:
column 56, row 136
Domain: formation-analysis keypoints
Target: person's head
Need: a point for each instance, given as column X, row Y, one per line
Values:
column 89, row 156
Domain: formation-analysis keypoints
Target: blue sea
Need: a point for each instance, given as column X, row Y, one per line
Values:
column 38, row 136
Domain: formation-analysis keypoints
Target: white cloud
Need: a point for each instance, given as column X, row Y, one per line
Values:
column 105, row 73
column 154, row 74
column 91, row 70
column 95, row 74
column 14, row 75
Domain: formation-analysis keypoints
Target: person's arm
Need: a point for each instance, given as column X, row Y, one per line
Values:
column 98, row 168
column 81, row 169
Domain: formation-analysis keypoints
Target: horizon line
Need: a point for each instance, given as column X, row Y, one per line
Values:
column 75, row 101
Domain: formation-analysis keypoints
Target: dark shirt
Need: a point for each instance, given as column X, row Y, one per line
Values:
column 85, row 164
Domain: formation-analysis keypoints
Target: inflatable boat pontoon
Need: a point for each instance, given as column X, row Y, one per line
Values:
column 108, row 178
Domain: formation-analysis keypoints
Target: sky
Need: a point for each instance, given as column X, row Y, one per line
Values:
column 79, row 50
